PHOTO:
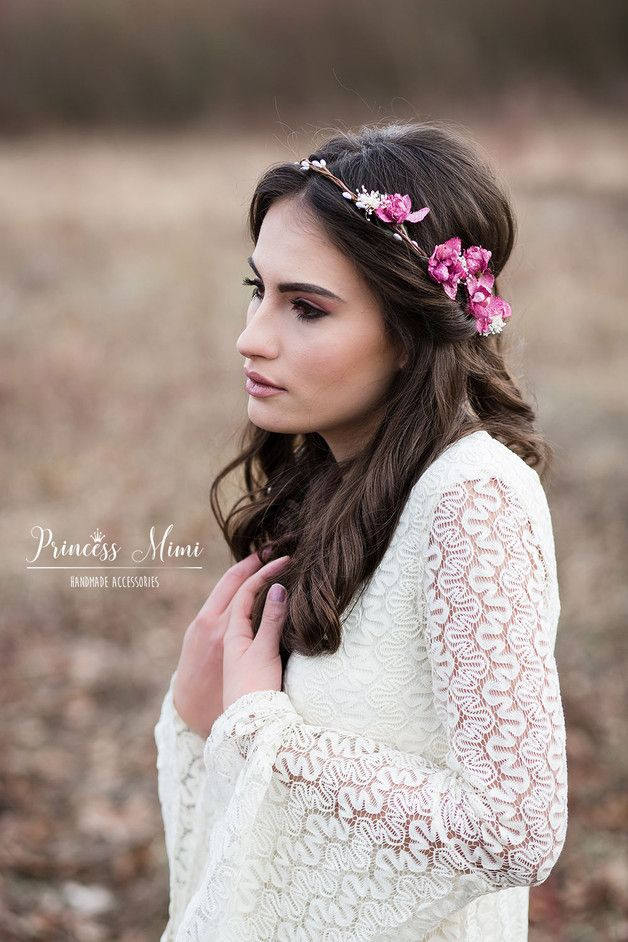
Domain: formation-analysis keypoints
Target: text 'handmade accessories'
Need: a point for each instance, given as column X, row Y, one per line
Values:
column 447, row 264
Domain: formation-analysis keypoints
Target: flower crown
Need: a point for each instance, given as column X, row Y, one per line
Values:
column 446, row 265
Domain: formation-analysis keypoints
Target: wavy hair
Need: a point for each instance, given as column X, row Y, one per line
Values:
column 336, row 518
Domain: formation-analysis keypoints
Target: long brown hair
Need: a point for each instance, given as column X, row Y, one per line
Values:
column 336, row 518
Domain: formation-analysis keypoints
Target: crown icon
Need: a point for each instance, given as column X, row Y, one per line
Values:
column 97, row 535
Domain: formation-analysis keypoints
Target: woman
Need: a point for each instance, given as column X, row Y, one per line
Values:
column 381, row 755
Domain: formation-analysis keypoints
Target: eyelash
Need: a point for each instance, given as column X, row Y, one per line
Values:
column 308, row 311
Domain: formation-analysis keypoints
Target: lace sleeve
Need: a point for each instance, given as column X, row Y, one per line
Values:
column 189, row 800
column 331, row 835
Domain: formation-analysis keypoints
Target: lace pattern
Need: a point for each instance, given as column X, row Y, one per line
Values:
column 190, row 804
column 321, row 833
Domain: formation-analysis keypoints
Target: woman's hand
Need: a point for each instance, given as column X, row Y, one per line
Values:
column 198, row 687
column 253, row 663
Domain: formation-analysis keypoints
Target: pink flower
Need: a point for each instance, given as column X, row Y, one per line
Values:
column 480, row 290
column 500, row 308
column 483, row 304
column 485, row 314
column 448, row 266
column 396, row 208
column 483, row 322
column 444, row 265
column 477, row 259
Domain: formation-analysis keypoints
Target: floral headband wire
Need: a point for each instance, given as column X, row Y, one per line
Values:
column 446, row 265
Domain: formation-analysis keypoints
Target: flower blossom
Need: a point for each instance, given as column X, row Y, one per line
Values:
column 476, row 259
column 449, row 266
column 444, row 265
column 490, row 317
column 369, row 201
column 396, row 208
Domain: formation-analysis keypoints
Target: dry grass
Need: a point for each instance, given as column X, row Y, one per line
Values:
column 120, row 392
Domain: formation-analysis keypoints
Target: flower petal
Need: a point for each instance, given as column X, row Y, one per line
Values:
column 418, row 214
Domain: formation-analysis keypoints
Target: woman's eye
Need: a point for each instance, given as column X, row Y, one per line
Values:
column 256, row 292
column 305, row 311
column 308, row 312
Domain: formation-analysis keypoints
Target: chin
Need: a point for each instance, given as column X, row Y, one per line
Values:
column 261, row 414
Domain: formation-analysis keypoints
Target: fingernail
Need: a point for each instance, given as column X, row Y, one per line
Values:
column 266, row 553
column 277, row 592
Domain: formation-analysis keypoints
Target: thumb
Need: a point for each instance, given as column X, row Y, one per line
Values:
column 272, row 621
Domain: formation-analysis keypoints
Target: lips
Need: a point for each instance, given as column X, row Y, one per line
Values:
column 259, row 378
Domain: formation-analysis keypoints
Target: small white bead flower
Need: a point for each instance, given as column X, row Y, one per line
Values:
column 369, row 201
column 495, row 326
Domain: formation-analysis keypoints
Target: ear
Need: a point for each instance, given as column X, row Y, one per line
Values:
column 400, row 353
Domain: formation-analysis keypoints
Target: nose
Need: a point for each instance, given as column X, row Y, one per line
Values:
column 259, row 337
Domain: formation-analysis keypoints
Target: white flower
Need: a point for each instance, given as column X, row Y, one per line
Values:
column 497, row 325
column 369, row 201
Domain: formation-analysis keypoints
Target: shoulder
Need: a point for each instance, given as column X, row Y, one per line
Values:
column 481, row 469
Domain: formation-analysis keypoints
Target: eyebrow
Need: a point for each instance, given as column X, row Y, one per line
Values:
column 299, row 285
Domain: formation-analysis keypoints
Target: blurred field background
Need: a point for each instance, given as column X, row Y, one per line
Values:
column 131, row 136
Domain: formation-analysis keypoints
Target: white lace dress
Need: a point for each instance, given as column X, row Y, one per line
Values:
column 413, row 785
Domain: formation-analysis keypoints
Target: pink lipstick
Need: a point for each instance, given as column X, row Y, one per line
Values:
column 260, row 390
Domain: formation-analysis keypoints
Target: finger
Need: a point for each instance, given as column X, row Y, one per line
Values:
column 226, row 587
column 242, row 604
column 272, row 622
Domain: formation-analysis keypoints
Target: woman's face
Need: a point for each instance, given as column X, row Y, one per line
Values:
column 324, row 343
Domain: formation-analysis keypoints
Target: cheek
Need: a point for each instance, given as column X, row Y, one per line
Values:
column 329, row 364
column 348, row 360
